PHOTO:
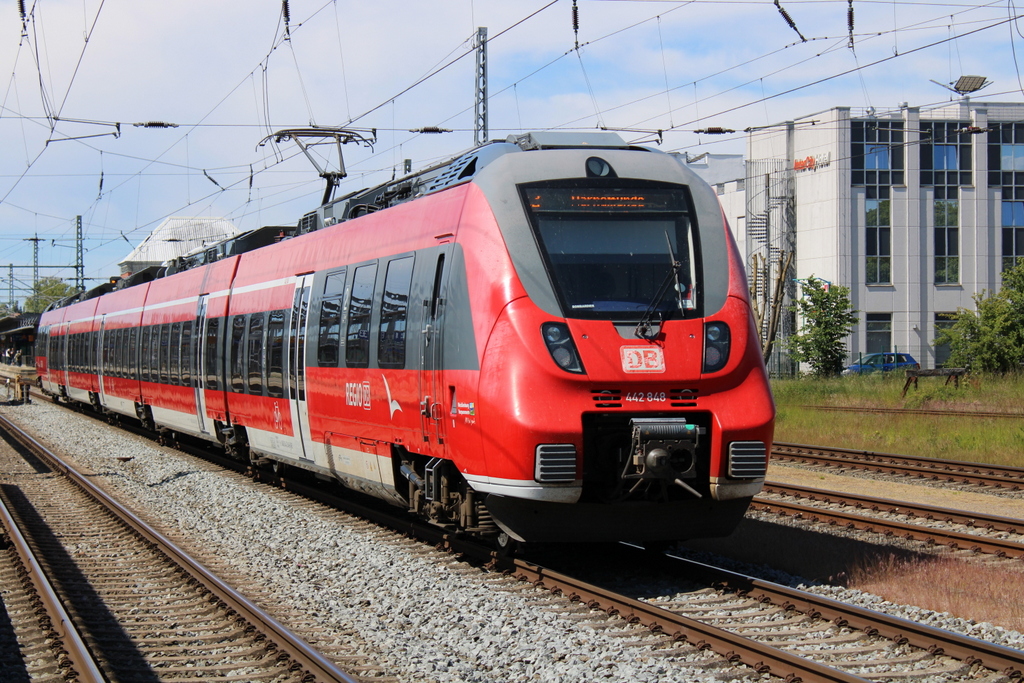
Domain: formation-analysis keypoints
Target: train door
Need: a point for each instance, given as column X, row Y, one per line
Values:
column 198, row 357
column 432, row 387
column 296, row 366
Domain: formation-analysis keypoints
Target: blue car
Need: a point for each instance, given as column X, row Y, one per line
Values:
column 882, row 362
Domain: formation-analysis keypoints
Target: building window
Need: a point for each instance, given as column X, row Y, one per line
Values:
column 943, row 321
column 945, row 153
column 1012, row 157
column 1013, row 233
column 1006, row 158
column 879, row 327
column 944, row 158
column 876, row 157
column 947, row 240
column 876, row 150
column 878, row 238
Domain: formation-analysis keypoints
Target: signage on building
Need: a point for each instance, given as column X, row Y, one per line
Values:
column 813, row 163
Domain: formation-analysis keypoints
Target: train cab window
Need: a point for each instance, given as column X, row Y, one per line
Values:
column 329, row 340
column 611, row 249
column 237, row 354
column 357, row 335
column 211, row 369
column 165, row 343
column 254, row 353
column 275, row 354
column 394, row 310
column 186, row 354
column 174, row 354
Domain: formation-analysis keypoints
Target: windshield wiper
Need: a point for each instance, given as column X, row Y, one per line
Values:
column 644, row 329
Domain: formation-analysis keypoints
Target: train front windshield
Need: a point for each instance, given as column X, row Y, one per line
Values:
column 615, row 252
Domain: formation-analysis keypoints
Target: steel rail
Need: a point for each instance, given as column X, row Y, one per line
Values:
column 83, row 666
column 952, row 539
column 970, row 650
column 915, row 411
column 902, row 507
column 734, row 647
column 761, row 657
column 911, row 465
column 298, row 650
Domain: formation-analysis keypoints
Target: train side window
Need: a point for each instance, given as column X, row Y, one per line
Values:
column 113, row 352
column 133, row 352
column 145, row 343
column 335, row 284
column 154, row 355
column 165, row 345
column 360, row 305
column 108, row 346
column 124, row 343
column 394, row 310
column 255, row 354
column 275, row 354
column 174, row 354
column 329, row 340
column 186, row 354
column 237, row 354
column 212, row 375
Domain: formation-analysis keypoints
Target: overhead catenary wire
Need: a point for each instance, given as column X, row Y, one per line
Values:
column 249, row 174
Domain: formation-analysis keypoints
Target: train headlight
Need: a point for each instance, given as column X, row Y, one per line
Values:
column 716, row 346
column 561, row 347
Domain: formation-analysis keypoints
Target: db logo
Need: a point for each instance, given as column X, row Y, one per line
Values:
column 642, row 359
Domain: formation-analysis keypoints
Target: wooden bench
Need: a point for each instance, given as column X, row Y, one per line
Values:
column 949, row 373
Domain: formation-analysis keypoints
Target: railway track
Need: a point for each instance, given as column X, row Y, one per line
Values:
column 769, row 629
column 918, row 411
column 910, row 466
column 784, row 632
column 144, row 608
column 928, row 524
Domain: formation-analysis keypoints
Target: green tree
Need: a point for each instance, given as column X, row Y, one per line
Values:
column 827, row 317
column 991, row 337
column 46, row 291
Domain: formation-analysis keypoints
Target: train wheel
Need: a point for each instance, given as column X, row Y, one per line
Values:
column 508, row 546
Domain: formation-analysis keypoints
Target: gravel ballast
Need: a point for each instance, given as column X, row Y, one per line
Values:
column 418, row 614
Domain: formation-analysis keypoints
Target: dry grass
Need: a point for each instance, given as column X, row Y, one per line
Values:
column 966, row 590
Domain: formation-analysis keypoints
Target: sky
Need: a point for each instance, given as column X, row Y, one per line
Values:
column 80, row 76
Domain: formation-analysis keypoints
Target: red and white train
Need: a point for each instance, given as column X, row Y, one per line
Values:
column 544, row 339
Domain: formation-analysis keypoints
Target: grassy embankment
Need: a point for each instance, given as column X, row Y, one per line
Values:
column 974, row 439
column 965, row 589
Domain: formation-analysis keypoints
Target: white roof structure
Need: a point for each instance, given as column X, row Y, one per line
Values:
column 176, row 237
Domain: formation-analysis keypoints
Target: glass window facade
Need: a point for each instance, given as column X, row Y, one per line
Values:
column 876, row 151
column 1013, row 233
column 947, row 238
column 945, row 153
column 878, row 238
